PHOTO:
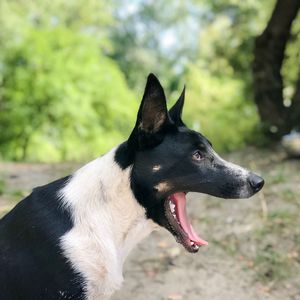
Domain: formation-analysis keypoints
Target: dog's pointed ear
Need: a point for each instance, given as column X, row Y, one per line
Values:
column 152, row 116
column 176, row 111
column 153, row 110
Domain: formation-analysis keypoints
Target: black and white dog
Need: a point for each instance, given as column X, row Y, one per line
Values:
column 69, row 239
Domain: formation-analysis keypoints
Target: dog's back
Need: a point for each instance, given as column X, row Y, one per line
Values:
column 30, row 256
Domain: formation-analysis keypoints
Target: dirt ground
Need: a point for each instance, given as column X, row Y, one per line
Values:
column 254, row 245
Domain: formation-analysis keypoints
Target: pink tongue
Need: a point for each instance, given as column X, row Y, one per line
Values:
column 179, row 200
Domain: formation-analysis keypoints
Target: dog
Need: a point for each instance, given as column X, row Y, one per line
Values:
column 70, row 238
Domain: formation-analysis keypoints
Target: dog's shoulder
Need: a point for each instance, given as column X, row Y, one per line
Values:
column 29, row 247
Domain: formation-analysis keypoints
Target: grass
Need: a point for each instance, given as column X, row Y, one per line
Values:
column 9, row 198
column 289, row 194
column 17, row 194
column 278, row 240
column 274, row 254
column 272, row 265
column 2, row 187
column 291, row 197
column 276, row 178
column 230, row 244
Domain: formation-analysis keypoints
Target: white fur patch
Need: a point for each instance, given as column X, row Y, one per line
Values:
column 156, row 168
column 237, row 171
column 108, row 223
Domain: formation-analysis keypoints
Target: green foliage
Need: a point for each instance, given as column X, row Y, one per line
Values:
column 65, row 68
column 61, row 98
column 226, row 42
column 219, row 82
column 17, row 16
column 215, row 36
column 216, row 106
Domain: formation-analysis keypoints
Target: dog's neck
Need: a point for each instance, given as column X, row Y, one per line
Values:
column 108, row 223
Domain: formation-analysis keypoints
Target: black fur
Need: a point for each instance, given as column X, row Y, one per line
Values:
column 176, row 111
column 173, row 148
column 32, row 265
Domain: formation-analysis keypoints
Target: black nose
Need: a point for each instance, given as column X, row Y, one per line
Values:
column 256, row 182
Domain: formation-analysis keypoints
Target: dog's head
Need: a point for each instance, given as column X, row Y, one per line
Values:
column 169, row 160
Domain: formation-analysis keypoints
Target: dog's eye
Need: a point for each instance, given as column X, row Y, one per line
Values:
column 197, row 155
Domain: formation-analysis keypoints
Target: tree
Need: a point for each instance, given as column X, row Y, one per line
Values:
column 60, row 98
column 278, row 116
column 157, row 36
column 219, row 85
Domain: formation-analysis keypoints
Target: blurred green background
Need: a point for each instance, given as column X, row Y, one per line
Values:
column 72, row 74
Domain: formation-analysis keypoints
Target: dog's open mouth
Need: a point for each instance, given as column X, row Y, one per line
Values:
column 179, row 224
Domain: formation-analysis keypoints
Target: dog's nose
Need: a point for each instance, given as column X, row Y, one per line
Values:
column 256, row 182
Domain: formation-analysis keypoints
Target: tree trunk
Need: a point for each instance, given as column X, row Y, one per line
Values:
column 268, row 58
column 294, row 111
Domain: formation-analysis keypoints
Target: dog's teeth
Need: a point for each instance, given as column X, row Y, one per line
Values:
column 172, row 206
column 194, row 246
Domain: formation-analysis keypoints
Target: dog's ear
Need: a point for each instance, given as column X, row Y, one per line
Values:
column 176, row 111
column 153, row 117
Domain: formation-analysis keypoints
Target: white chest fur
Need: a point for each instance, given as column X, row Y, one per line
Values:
column 108, row 223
